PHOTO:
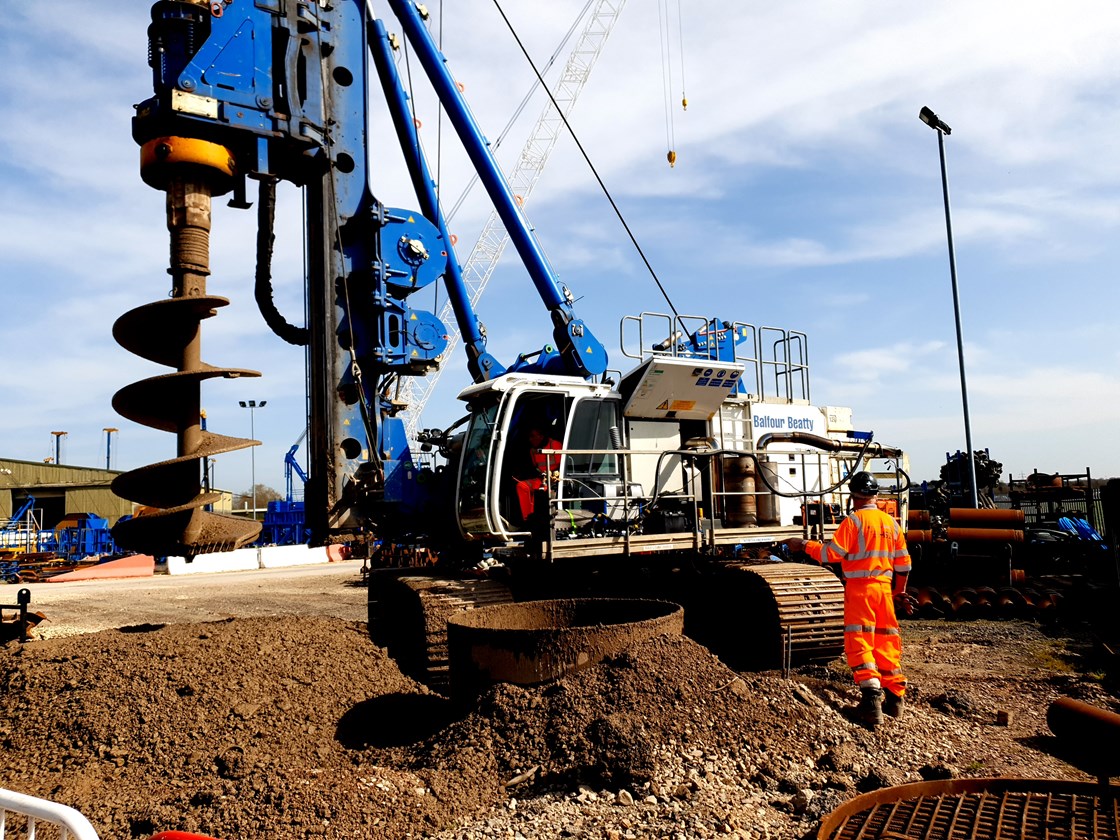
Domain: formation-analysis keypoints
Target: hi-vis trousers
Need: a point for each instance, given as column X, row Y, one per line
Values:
column 872, row 644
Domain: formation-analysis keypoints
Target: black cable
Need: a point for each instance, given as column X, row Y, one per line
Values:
column 517, row 112
column 262, row 288
column 590, row 165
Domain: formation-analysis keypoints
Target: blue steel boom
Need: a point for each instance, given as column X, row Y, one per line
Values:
column 278, row 90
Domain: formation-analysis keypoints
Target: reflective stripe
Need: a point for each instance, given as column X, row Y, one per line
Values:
column 903, row 570
column 838, row 550
column 869, row 573
column 887, row 631
column 858, row 628
column 861, row 540
column 866, row 666
column 893, row 673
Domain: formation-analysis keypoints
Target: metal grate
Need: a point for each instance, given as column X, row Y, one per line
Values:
column 980, row 809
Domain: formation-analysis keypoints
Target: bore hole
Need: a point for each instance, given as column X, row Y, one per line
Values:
column 351, row 448
column 344, row 163
column 343, row 76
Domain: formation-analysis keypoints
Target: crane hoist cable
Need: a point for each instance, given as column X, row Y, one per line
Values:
column 666, row 80
column 680, row 46
column 591, row 166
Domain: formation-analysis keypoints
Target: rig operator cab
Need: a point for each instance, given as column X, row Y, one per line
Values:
column 681, row 453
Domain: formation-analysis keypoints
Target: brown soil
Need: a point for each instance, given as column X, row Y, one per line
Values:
column 300, row 727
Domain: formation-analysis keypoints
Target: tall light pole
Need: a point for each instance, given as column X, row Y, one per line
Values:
column 109, row 432
column 937, row 124
column 253, row 405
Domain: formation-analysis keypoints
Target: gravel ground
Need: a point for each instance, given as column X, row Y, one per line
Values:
column 254, row 706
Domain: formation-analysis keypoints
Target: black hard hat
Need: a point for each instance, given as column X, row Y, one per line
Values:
column 863, row 484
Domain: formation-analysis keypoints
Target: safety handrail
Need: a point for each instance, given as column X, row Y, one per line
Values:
column 775, row 359
column 70, row 822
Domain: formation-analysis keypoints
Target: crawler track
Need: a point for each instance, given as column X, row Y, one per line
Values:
column 408, row 615
column 754, row 616
column 809, row 603
column 759, row 616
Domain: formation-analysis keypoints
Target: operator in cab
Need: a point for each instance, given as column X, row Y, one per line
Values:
column 870, row 547
column 543, row 465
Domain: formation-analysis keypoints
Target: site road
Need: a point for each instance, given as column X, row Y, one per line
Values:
column 333, row 589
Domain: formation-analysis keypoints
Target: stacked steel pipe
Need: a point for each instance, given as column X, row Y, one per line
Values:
column 966, row 525
column 977, row 528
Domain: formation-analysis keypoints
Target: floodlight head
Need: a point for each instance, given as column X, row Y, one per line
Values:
column 242, row 403
column 933, row 121
column 262, row 403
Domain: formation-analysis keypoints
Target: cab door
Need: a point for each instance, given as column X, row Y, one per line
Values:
column 497, row 456
column 474, row 490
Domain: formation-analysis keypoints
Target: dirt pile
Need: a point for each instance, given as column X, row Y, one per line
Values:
column 235, row 728
column 604, row 726
column 300, row 727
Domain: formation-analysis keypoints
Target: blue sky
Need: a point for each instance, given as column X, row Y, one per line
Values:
column 806, row 195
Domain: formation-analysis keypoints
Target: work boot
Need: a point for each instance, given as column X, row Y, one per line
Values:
column 892, row 704
column 870, row 708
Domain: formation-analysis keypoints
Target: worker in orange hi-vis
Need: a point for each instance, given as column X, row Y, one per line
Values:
column 544, row 465
column 870, row 547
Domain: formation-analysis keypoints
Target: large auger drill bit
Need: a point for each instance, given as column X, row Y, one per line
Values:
column 168, row 332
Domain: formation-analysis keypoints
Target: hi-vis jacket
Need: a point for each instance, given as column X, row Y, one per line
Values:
column 869, row 546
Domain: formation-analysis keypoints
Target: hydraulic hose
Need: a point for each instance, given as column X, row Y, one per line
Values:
column 876, row 450
column 262, row 289
column 868, row 447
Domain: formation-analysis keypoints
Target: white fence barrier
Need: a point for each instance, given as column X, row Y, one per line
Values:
column 70, row 823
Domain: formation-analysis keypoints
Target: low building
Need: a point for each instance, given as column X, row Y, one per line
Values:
column 61, row 490
column 58, row 490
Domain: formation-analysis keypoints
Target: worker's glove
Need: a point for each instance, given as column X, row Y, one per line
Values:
column 905, row 604
column 794, row 544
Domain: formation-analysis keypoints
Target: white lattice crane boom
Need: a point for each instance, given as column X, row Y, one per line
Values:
column 416, row 391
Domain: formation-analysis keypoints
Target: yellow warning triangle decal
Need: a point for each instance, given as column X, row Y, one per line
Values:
column 414, row 354
column 412, row 220
column 664, row 406
column 413, row 318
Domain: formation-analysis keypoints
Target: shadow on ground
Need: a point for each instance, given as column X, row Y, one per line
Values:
column 393, row 720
